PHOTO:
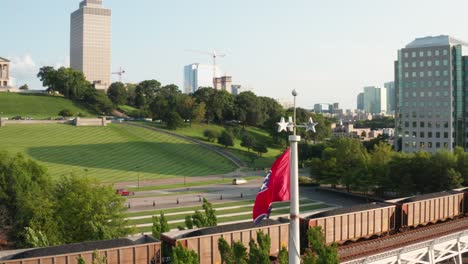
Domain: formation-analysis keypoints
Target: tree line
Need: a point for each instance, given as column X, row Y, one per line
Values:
column 38, row 211
column 167, row 103
column 345, row 161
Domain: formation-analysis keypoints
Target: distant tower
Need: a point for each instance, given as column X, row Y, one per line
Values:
column 90, row 42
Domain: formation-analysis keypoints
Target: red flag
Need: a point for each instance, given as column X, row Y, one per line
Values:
column 275, row 188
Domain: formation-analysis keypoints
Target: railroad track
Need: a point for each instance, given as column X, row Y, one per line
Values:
column 421, row 234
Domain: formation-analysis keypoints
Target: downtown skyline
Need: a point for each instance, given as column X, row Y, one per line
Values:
column 327, row 52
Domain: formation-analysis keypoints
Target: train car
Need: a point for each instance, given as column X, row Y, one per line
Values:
column 430, row 208
column 465, row 199
column 353, row 223
column 117, row 251
column 205, row 241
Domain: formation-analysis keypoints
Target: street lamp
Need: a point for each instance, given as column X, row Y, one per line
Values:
column 138, row 176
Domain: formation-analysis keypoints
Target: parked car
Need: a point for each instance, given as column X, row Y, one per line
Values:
column 124, row 192
column 238, row 181
column 16, row 118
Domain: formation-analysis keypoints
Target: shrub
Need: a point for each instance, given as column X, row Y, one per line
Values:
column 211, row 134
column 66, row 112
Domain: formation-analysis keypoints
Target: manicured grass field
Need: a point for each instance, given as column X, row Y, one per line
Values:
column 196, row 131
column 115, row 153
column 241, row 213
column 36, row 106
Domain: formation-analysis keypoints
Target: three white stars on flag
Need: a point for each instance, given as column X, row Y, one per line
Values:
column 283, row 125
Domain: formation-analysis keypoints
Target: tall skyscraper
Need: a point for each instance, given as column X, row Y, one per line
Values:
column 90, row 42
column 374, row 100
column 360, row 101
column 390, row 86
column 430, row 80
column 198, row 75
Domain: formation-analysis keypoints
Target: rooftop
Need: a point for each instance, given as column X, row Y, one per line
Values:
column 442, row 40
column 3, row 59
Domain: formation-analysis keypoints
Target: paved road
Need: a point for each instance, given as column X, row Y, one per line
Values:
column 168, row 198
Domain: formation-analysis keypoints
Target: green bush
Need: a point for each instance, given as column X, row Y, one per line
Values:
column 66, row 112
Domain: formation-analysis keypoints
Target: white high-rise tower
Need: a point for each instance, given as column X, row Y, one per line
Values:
column 90, row 42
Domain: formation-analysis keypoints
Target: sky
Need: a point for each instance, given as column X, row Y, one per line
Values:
column 326, row 50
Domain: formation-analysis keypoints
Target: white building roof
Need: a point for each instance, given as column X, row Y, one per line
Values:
column 442, row 40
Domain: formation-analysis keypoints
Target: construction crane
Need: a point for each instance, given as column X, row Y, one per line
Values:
column 119, row 73
column 212, row 54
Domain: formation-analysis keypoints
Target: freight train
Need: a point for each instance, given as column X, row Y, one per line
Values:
column 379, row 219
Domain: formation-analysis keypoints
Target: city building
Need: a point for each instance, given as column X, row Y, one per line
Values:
column 360, row 101
column 223, row 83
column 235, row 89
column 390, row 86
column 198, row 75
column 90, row 42
column 430, row 82
column 4, row 72
column 375, row 100
column 323, row 108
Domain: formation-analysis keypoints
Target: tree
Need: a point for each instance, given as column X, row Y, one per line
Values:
column 88, row 211
column 283, row 256
column 117, row 93
column 66, row 112
column 145, row 92
column 247, row 141
column 182, row 255
column 249, row 109
column 131, row 94
column 24, row 87
column 98, row 101
column 199, row 112
column 70, row 83
column 173, row 120
column 211, row 134
column 260, row 252
column 226, row 139
column 26, row 206
column 186, row 107
column 199, row 219
column 235, row 254
column 160, row 226
column 317, row 251
column 260, row 148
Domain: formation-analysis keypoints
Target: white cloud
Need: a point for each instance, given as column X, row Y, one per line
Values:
column 23, row 68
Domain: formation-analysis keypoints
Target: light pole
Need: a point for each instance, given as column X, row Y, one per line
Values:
column 138, row 176
column 291, row 125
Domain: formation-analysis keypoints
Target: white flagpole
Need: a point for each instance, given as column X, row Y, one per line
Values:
column 294, row 243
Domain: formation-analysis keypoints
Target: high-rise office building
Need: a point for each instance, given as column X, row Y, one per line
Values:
column 374, row 100
column 390, row 86
column 360, row 101
column 430, row 79
column 198, row 75
column 90, row 42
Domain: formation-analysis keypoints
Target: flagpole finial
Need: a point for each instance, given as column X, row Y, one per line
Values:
column 294, row 92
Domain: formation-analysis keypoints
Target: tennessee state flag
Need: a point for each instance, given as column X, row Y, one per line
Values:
column 275, row 188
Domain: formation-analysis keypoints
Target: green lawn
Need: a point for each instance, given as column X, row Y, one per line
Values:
column 223, row 219
column 36, row 106
column 114, row 153
column 196, row 131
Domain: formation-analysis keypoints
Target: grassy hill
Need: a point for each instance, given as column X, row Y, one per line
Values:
column 36, row 106
column 196, row 131
column 115, row 153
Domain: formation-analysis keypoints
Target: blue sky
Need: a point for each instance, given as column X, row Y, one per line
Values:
column 326, row 50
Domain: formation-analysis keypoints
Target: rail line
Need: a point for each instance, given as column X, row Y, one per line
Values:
column 391, row 242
